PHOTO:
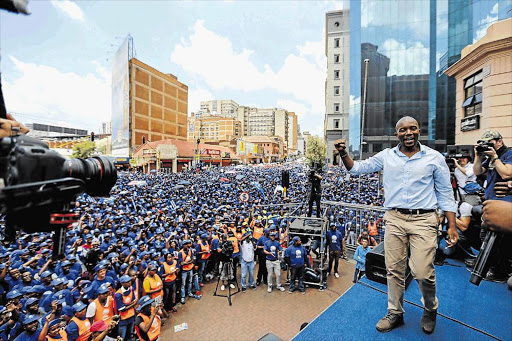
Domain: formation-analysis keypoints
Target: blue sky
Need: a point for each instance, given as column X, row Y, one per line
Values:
column 56, row 63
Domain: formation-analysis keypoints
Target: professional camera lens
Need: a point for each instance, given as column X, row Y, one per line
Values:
column 98, row 173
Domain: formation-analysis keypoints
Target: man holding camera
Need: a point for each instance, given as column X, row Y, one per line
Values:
column 494, row 158
column 416, row 182
column 316, row 190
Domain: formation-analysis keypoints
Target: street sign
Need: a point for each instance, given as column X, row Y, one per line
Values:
column 244, row 197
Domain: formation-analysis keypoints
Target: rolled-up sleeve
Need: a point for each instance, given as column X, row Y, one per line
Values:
column 370, row 165
column 443, row 187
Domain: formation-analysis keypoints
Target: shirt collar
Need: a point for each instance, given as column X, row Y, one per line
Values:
column 397, row 149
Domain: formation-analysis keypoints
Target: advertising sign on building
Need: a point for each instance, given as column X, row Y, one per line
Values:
column 120, row 102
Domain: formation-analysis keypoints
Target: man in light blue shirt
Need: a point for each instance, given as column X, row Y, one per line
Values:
column 416, row 182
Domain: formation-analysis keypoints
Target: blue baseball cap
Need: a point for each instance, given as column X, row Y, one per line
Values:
column 103, row 289
column 30, row 318
column 79, row 307
column 125, row 278
column 144, row 301
column 31, row 301
column 14, row 294
column 67, row 311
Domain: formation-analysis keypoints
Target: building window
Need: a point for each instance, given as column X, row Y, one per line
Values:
column 143, row 139
column 473, row 95
column 336, row 91
column 336, row 58
column 336, row 74
column 336, row 124
column 336, row 107
column 336, row 42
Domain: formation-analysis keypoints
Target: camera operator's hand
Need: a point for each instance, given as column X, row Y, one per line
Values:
column 491, row 153
column 7, row 125
column 503, row 188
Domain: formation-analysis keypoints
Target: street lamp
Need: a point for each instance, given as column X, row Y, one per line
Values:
column 363, row 112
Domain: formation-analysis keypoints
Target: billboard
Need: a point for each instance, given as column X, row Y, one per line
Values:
column 120, row 102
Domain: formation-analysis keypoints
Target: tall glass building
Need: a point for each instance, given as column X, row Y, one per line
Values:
column 409, row 44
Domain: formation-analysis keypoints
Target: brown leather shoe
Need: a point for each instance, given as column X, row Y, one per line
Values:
column 390, row 322
column 428, row 321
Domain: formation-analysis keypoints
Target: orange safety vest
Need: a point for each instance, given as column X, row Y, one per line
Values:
column 127, row 299
column 186, row 258
column 84, row 328
column 283, row 236
column 63, row 336
column 136, row 290
column 205, row 248
column 258, row 232
column 235, row 244
column 155, row 283
column 168, row 268
column 372, row 229
column 154, row 330
column 104, row 313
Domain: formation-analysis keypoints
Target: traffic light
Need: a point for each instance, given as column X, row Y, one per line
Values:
column 92, row 137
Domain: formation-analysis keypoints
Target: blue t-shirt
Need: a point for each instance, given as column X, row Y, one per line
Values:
column 25, row 337
column 274, row 247
column 334, row 239
column 296, row 255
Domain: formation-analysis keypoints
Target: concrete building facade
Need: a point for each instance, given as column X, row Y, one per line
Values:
column 337, row 51
column 226, row 108
column 158, row 105
column 484, row 86
column 214, row 128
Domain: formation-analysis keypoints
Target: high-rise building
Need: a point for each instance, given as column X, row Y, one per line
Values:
column 408, row 45
column 214, row 128
column 226, row 108
column 337, row 51
column 293, row 132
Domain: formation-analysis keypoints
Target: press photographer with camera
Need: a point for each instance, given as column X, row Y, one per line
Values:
column 315, row 195
column 494, row 158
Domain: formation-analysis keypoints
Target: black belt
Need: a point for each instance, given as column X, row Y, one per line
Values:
column 413, row 211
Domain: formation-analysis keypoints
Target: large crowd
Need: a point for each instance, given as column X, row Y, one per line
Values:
column 135, row 256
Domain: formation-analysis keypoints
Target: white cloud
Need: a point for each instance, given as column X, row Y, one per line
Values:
column 212, row 57
column 484, row 24
column 70, row 8
column 51, row 96
column 195, row 96
column 406, row 59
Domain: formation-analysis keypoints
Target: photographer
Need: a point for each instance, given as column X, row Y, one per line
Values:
column 9, row 125
column 315, row 180
column 147, row 322
column 494, row 158
column 464, row 174
column 225, row 250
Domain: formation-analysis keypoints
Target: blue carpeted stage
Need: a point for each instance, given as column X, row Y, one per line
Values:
column 353, row 316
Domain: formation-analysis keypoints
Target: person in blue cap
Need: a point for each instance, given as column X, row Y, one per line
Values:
column 295, row 256
column 79, row 328
column 147, row 322
column 262, row 257
column 334, row 240
column 126, row 301
column 271, row 250
column 52, row 330
column 202, row 255
column 100, row 278
column 31, row 329
column 186, row 262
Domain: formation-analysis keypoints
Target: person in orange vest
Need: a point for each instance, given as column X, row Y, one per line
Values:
column 186, row 262
column 79, row 328
column 203, row 254
column 169, row 271
column 147, row 322
column 126, row 301
column 236, row 252
column 257, row 230
column 102, row 308
column 153, row 285
column 372, row 227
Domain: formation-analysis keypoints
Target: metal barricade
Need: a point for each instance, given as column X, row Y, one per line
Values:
column 356, row 218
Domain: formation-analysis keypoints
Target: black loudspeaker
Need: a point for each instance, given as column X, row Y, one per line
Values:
column 376, row 266
column 285, row 178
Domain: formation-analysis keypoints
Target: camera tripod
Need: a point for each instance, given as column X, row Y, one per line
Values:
column 227, row 268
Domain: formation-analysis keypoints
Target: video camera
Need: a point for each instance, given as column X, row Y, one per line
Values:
column 484, row 146
column 454, row 152
column 38, row 187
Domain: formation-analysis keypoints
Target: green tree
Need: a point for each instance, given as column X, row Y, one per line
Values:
column 84, row 149
column 315, row 150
